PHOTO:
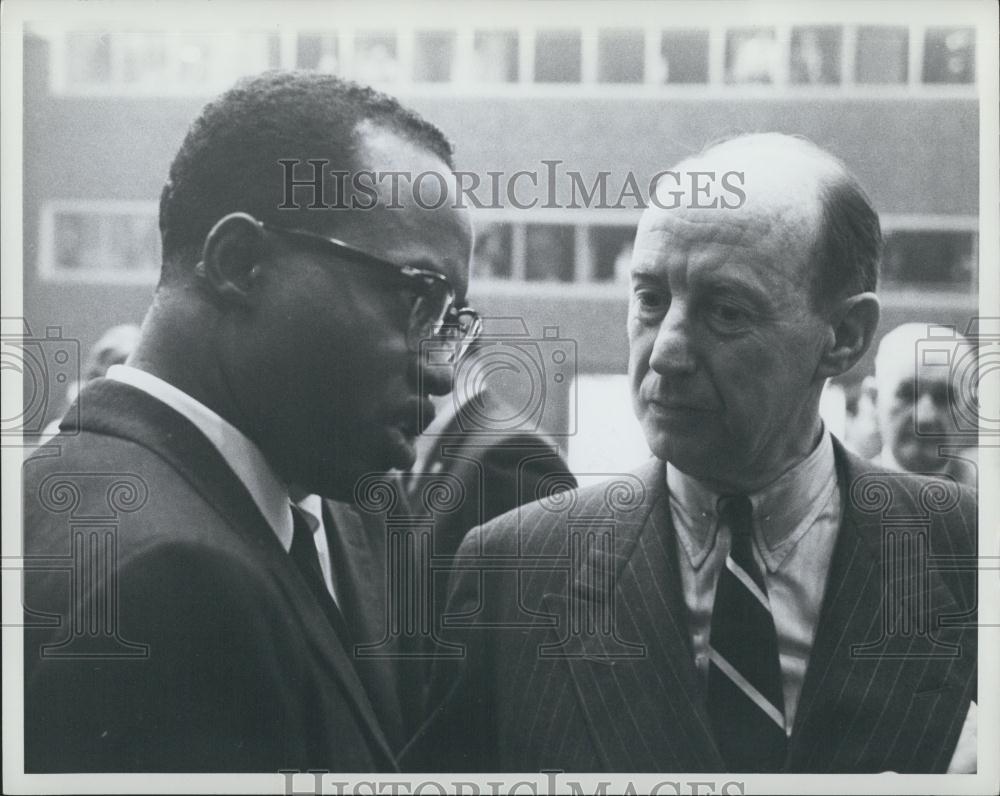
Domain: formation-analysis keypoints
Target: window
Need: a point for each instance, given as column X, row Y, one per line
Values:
column 495, row 55
column 375, row 57
column 684, row 57
column 620, row 56
column 194, row 55
column 752, row 55
column 557, row 56
column 318, row 51
column 88, row 58
column 435, row 54
column 159, row 62
column 950, row 55
column 145, row 57
column 256, row 52
column 549, row 252
column 882, row 55
column 492, row 257
column 815, row 55
column 920, row 258
column 101, row 242
column 611, row 250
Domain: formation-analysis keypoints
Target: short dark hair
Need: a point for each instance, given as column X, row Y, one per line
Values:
column 848, row 247
column 228, row 161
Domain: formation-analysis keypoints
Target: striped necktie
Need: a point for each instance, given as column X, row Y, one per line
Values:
column 745, row 699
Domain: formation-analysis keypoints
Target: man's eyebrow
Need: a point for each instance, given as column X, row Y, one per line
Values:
column 734, row 285
column 647, row 274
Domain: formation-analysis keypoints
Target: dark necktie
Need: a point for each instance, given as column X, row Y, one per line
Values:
column 306, row 557
column 745, row 701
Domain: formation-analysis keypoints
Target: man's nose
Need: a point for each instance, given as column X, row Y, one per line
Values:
column 930, row 413
column 672, row 351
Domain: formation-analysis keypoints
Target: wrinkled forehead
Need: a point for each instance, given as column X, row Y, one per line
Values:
column 768, row 231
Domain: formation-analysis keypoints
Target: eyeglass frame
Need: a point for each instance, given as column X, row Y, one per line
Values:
column 409, row 272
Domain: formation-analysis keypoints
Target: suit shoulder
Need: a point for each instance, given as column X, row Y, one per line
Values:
column 149, row 504
column 950, row 508
column 870, row 485
column 539, row 527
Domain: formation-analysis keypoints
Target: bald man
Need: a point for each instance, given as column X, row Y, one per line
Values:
column 917, row 396
column 722, row 607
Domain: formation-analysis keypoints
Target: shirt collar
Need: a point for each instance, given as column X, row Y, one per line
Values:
column 783, row 511
column 243, row 456
column 312, row 507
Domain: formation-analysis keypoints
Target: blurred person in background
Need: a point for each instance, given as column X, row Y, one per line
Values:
column 113, row 348
column 916, row 401
column 861, row 434
column 476, row 440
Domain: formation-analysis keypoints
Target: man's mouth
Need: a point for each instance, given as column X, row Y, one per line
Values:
column 674, row 406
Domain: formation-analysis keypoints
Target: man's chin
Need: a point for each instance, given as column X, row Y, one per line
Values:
column 919, row 459
column 341, row 471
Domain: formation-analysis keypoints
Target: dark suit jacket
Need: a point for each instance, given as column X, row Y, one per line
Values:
column 587, row 665
column 488, row 474
column 168, row 630
column 494, row 472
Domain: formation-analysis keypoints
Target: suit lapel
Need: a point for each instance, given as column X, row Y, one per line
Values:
column 357, row 545
column 115, row 409
column 861, row 680
column 850, row 612
column 639, row 689
column 120, row 410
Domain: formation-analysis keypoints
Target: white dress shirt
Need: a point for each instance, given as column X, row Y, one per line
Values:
column 796, row 520
column 245, row 459
column 795, row 523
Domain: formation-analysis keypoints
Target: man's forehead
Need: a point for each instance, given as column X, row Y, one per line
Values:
column 684, row 225
column 909, row 370
column 750, row 235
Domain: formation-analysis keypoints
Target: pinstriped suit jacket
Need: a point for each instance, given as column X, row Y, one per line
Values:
column 577, row 654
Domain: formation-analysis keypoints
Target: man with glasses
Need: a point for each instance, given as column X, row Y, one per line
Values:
column 278, row 365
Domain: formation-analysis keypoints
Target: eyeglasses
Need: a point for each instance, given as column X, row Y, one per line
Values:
column 433, row 314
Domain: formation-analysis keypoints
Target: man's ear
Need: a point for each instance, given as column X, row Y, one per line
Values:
column 852, row 327
column 229, row 267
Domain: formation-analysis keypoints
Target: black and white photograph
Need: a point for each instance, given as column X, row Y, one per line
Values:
column 500, row 397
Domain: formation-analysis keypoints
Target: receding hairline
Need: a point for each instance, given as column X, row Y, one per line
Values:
column 794, row 182
column 785, row 196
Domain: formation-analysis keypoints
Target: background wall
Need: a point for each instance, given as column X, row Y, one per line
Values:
column 107, row 106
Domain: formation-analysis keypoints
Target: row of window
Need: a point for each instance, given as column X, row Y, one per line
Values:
column 125, row 246
column 824, row 55
column 603, row 253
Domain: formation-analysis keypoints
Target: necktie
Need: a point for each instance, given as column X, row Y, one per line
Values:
column 306, row 557
column 745, row 700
